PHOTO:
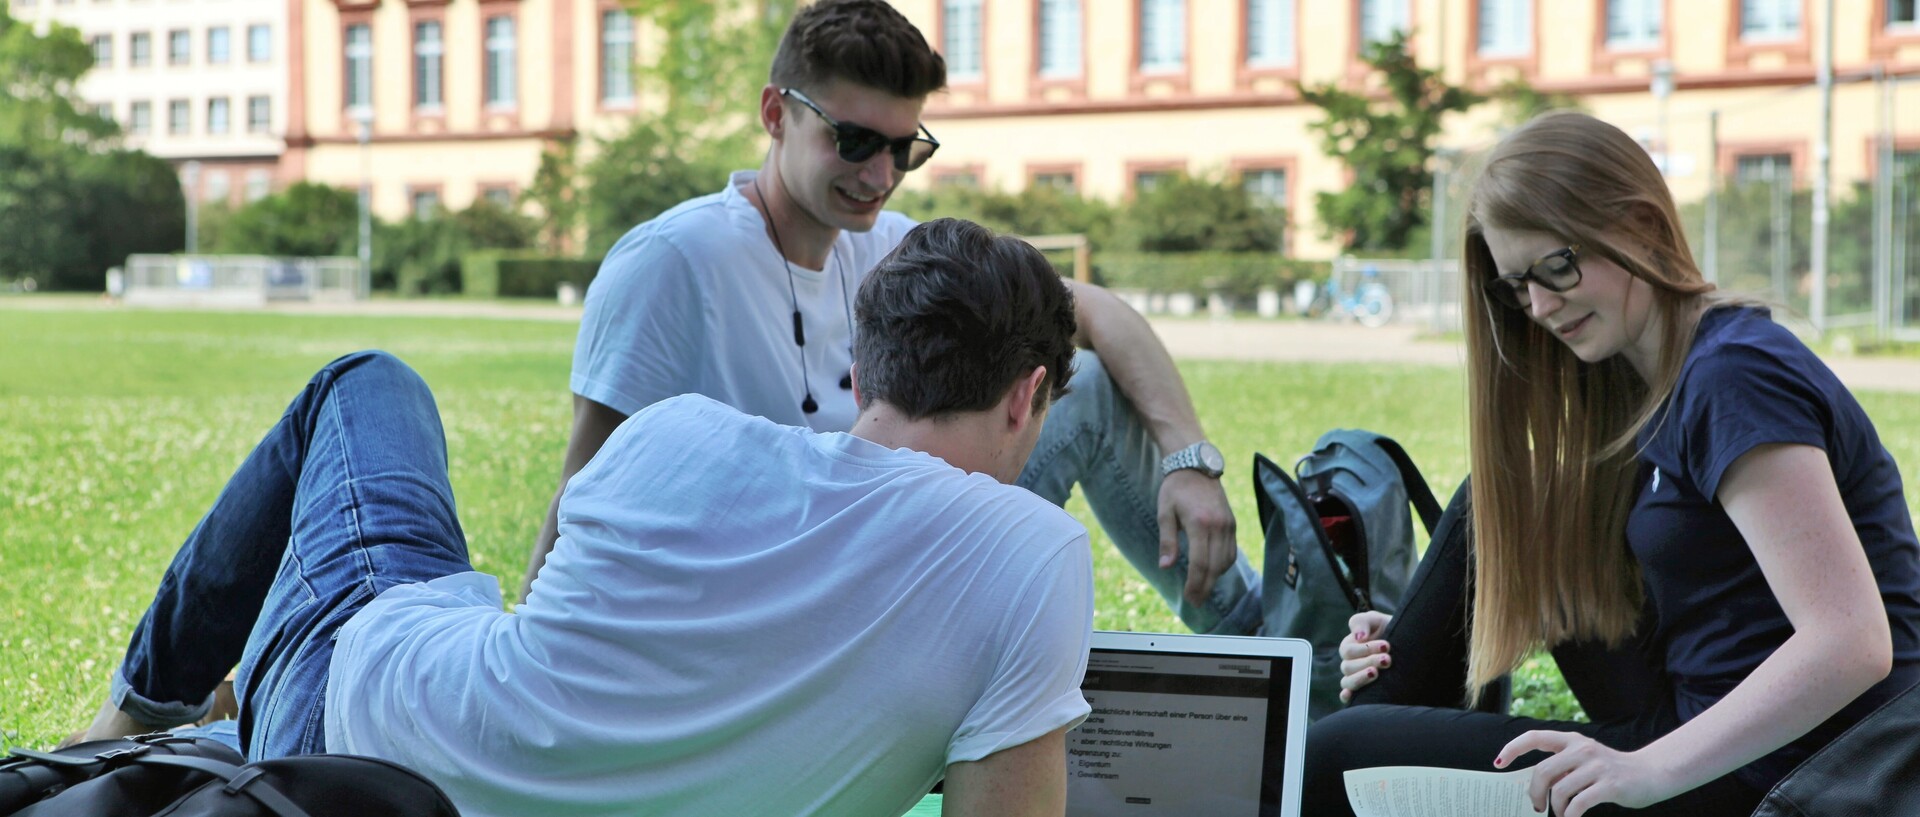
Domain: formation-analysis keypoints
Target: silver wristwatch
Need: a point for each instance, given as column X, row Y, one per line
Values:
column 1200, row 456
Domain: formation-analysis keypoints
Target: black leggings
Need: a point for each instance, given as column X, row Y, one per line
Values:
column 1414, row 714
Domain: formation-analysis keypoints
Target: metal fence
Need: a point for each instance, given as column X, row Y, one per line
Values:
column 1744, row 175
column 240, row 280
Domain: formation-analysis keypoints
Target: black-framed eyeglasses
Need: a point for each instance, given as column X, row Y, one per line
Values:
column 856, row 144
column 1557, row 271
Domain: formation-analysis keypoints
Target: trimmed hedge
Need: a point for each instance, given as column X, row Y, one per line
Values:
column 512, row 274
column 1238, row 275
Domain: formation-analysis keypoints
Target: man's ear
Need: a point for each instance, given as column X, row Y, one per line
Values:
column 773, row 114
column 853, row 376
column 1019, row 404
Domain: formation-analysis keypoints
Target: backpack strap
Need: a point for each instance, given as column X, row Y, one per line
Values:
column 239, row 780
column 1417, row 490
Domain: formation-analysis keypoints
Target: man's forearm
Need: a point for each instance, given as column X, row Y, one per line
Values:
column 1139, row 365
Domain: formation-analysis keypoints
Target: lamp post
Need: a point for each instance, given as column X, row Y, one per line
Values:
column 1662, row 88
column 363, row 116
column 190, row 175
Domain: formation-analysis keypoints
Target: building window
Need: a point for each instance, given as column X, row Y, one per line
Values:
column 1269, row 33
column 219, row 187
column 966, row 179
column 179, row 117
column 140, row 118
column 1633, row 24
column 1266, row 187
column 425, row 203
column 259, row 114
column 179, row 47
column 497, row 195
column 359, row 66
column 140, row 49
column 616, row 57
column 1061, row 181
column 102, row 50
column 218, row 114
column 1763, row 168
column 1146, row 181
column 104, row 110
column 1505, row 28
column 960, row 35
column 1381, row 19
column 1163, row 35
column 259, row 184
column 428, row 53
column 500, row 62
column 219, row 45
column 1902, row 13
column 1060, row 38
column 259, row 43
column 1769, row 19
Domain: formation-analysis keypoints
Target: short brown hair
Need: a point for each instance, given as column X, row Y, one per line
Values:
column 954, row 316
column 866, row 42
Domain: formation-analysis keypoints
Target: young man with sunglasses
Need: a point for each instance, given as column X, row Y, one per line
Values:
column 744, row 296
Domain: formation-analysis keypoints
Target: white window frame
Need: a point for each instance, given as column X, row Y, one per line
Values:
column 1768, row 20
column 1271, row 27
column 1379, row 19
column 219, row 116
column 1634, row 25
column 1061, row 27
column 502, row 61
column 180, row 47
column 1256, row 181
column 259, row 43
column 223, row 55
column 102, row 46
column 138, row 57
column 961, row 37
column 616, row 57
column 137, row 124
column 1163, row 35
column 181, row 125
column 429, row 66
column 263, row 124
column 1506, row 28
column 358, row 55
column 1908, row 25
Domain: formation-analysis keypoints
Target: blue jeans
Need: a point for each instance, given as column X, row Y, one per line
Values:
column 345, row 497
column 1093, row 437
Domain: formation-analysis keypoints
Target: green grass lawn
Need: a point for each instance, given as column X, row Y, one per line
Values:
column 117, row 428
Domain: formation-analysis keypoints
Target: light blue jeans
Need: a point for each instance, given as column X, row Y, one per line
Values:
column 1094, row 438
column 345, row 497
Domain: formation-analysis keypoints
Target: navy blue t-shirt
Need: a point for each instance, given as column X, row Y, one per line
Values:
column 1749, row 382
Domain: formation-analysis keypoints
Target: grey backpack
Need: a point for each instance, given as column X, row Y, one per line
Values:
column 1339, row 541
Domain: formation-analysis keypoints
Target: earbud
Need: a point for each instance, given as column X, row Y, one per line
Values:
column 808, row 405
column 846, row 381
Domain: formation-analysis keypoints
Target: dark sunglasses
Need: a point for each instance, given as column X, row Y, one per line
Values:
column 857, row 144
column 1557, row 271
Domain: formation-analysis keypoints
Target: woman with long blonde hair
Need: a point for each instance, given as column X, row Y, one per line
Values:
column 1670, row 492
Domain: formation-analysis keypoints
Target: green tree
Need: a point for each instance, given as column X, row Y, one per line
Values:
column 1387, row 146
column 1185, row 213
column 306, row 219
column 71, row 203
column 702, row 91
column 556, row 192
column 1036, row 210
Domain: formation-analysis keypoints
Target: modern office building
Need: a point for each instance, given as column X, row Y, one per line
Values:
column 200, row 83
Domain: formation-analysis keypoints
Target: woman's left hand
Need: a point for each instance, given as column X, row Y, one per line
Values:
column 1583, row 773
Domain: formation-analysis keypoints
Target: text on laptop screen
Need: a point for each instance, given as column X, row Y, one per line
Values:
column 1179, row 734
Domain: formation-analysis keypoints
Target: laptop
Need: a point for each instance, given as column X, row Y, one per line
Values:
column 1190, row 724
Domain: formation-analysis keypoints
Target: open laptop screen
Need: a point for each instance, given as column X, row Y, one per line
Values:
column 1182, row 733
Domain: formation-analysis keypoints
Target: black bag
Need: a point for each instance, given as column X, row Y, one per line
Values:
column 1872, row 768
column 1339, row 541
column 199, row 777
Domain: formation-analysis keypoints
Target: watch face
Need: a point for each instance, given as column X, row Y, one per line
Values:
column 1212, row 459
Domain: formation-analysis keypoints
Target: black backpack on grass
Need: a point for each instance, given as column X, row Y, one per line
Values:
column 200, row 777
column 1339, row 541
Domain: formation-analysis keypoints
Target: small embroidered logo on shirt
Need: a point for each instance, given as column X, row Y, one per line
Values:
column 1656, row 481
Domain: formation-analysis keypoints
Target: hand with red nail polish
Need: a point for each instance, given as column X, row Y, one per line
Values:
column 1363, row 654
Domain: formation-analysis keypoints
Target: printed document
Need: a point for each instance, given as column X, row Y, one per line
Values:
column 1422, row 791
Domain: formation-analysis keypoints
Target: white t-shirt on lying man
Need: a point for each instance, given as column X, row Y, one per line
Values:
column 738, row 618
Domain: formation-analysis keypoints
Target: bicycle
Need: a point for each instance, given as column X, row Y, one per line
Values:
column 1370, row 303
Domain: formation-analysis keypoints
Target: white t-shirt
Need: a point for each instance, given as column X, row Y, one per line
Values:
column 738, row 618
column 697, row 301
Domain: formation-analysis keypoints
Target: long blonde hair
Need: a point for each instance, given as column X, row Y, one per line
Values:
column 1553, row 438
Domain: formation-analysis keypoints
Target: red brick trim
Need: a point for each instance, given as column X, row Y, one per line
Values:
column 1180, row 83
column 1137, row 167
column 1606, row 59
column 1730, row 153
column 1798, row 52
column 1245, row 75
column 1039, row 85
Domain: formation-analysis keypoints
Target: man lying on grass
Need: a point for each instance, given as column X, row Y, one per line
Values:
column 739, row 617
